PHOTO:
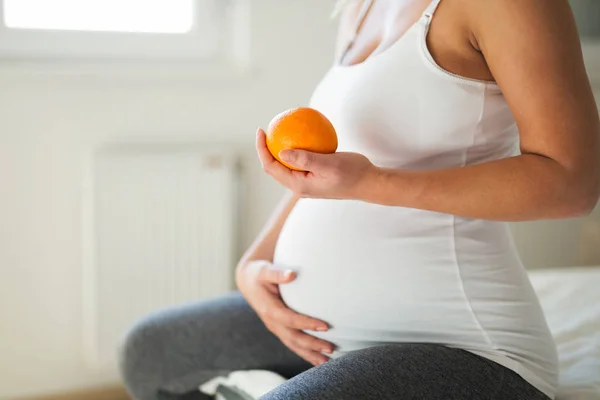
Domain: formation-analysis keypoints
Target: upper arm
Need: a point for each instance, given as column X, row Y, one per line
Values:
column 533, row 50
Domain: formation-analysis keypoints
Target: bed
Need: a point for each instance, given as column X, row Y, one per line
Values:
column 570, row 298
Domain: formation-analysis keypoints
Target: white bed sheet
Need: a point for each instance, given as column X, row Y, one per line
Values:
column 570, row 298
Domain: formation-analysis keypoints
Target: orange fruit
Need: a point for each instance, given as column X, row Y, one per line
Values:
column 301, row 128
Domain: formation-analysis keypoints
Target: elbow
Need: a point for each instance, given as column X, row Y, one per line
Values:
column 585, row 207
column 591, row 201
column 585, row 196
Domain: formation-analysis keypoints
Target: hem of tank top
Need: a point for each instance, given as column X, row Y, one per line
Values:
column 435, row 67
column 497, row 356
column 517, row 367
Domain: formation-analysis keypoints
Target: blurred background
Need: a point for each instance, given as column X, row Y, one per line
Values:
column 127, row 170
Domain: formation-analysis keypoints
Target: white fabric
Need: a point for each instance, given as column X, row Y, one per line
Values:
column 391, row 274
column 571, row 301
column 255, row 383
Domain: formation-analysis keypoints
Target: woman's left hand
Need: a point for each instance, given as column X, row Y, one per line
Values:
column 330, row 176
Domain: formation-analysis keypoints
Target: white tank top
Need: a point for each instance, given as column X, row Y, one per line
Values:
column 382, row 274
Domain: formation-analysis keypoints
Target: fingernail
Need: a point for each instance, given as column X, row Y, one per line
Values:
column 327, row 351
column 322, row 328
column 258, row 131
column 288, row 274
column 286, row 155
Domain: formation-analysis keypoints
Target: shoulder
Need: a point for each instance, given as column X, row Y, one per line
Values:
column 513, row 17
column 486, row 21
column 514, row 8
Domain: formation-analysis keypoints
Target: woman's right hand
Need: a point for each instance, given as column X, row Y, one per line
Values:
column 259, row 283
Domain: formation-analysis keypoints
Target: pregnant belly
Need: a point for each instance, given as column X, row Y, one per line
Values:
column 367, row 298
column 367, row 273
column 389, row 274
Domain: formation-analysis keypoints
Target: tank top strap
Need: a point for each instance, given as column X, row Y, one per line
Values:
column 428, row 14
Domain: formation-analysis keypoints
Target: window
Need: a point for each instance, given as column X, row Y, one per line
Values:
column 118, row 29
column 143, row 16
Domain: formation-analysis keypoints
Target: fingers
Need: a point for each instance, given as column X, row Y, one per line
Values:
column 312, row 357
column 307, row 161
column 264, row 154
column 269, row 274
column 299, row 158
column 273, row 311
column 280, row 314
column 271, row 166
column 268, row 162
column 302, row 340
column 309, row 348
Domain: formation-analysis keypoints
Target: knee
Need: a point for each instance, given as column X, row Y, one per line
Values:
column 407, row 350
column 141, row 357
column 419, row 356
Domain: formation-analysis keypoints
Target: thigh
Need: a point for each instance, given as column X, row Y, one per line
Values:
column 174, row 350
column 407, row 372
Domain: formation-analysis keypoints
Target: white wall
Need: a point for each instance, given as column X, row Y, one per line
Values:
column 48, row 121
column 573, row 242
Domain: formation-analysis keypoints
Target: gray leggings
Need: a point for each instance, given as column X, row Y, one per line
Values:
column 171, row 352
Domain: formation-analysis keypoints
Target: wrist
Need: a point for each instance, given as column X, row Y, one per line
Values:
column 239, row 270
column 369, row 188
column 381, row 187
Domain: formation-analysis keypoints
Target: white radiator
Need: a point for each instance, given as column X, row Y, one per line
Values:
column 159, row 230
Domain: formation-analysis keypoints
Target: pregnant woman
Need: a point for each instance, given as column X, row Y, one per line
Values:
column 388, row 272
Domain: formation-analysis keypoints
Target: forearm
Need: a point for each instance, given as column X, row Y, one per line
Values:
column 526, row 187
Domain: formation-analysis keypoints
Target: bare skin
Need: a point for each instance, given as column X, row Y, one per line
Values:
column 531, row 49
column 450, row 40
column 258, row 280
